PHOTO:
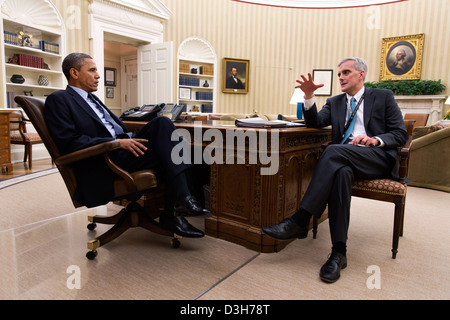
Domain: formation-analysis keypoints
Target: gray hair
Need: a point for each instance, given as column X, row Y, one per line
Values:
column 74, row 60
column 360, row 64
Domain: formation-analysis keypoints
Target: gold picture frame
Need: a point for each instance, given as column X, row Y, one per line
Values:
column 401, row 57
column 236, row 75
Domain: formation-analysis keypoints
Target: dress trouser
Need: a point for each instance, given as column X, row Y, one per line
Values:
column 158, row 156
column 332, row 182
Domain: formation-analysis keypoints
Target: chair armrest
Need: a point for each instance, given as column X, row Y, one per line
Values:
column 100, row 149
column 87, row 153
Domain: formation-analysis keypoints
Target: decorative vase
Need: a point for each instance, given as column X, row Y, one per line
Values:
column 17, row 78
column 43, row 81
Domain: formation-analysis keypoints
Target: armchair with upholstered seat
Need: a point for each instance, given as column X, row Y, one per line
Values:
column 128, row 186
column 387, row 190
column 20, row 135
column 429, row 159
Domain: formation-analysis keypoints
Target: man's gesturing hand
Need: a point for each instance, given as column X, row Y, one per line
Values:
column 135, row 146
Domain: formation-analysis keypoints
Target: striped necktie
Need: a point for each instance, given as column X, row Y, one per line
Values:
column 117, row 128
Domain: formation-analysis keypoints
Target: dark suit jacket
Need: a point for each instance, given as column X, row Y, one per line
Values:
column 382, row 118
column 231, row 84
column 75, row 126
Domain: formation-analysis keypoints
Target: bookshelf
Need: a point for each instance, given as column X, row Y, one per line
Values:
column 197, row 76
column 38, row 60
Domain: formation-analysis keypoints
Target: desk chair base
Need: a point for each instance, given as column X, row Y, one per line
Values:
column 130, row 217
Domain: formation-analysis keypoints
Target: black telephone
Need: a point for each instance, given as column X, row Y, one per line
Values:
column 149, row 111
column 172, row 111
column 145, row 113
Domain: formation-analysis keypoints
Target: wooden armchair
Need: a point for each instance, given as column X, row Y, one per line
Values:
column 19, row 135
column 387, row 190
column 128, row 186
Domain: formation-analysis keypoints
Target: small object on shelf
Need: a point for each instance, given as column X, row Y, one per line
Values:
column 43, row 81
column 206, row 84
column 194, row 71
column 17, row 78
column 25, row 39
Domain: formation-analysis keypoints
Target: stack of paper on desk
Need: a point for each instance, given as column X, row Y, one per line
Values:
column 261, row 123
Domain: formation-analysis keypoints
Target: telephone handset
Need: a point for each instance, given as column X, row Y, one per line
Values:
column 172, row 111
column 145, row 113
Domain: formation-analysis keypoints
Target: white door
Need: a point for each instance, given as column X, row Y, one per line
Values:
column 131, row 85
column 155, row 73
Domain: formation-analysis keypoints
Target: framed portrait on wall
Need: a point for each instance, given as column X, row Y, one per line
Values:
column 401, row 57
column 236, row 75
column 110, row 77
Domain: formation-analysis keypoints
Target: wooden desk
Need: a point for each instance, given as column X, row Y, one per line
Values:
column 242, row 200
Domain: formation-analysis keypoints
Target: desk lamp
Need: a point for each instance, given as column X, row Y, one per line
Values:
column 298, row 98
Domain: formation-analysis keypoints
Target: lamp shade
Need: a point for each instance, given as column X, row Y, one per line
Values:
column 446, row 101
column 297, row 97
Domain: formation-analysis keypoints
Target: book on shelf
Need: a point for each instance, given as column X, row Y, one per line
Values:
column 10, row 37
column 261, row 123
column 49, row 47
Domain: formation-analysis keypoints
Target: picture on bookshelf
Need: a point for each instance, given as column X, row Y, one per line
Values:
column 185, row 93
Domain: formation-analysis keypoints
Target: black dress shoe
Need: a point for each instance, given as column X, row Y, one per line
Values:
column 286, row 230
column 188, row 207
column 331, row 270
column 181, row 227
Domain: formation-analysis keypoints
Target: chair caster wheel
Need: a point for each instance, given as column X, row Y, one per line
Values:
column 91, row 226
column 91, row 254
column 175, row 243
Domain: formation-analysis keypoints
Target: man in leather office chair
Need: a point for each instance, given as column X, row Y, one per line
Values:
column 368, row 150
column 77, row 120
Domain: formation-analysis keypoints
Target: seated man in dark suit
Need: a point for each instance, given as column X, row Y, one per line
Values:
column 77, row 119
column 367, row 128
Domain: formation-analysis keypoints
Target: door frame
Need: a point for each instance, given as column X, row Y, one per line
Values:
column 142, row 25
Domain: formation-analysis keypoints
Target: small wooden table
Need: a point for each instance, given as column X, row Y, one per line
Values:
column 242, row 199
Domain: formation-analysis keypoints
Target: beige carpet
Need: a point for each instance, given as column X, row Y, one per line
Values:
column 41, row 235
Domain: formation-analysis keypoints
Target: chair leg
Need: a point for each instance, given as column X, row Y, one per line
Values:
column 314, row 228
column 398, row 221
column 29, row 155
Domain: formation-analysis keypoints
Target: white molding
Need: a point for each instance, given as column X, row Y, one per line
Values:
column 138, row 20
column 39, row 14
column 431, row 104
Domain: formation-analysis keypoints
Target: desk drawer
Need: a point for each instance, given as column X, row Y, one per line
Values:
column 4, row 130
column 4, row 142
column 5, row 156
column 4, row 118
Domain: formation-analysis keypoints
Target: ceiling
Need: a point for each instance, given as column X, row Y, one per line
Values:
column 318, row 3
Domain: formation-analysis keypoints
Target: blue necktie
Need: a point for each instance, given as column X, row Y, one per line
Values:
column 118, row 129
column 352, row 124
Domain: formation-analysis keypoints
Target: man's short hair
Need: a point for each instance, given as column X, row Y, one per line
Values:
column 74, row 60
column 360, row 64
